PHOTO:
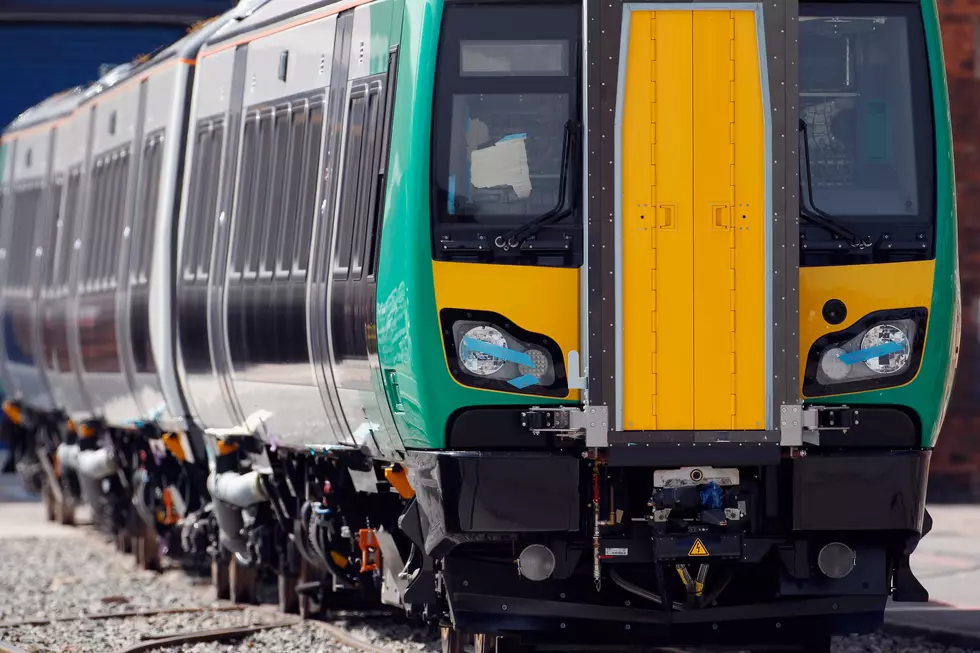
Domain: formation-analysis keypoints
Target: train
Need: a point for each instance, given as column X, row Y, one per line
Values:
column 551, row 323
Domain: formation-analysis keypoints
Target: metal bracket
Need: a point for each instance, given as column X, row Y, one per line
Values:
column 799, row 425
column 791, row 425
column 591, row 422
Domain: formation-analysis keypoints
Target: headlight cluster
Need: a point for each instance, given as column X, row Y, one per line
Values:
column 485, row 350
column 488, row 351
column 882, row 350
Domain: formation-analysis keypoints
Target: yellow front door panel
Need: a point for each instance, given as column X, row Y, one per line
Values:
column 693, row 221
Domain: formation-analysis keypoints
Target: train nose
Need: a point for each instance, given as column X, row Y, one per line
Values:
column 836, row 560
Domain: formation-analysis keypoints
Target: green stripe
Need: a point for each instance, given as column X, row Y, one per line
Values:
column 928, row 394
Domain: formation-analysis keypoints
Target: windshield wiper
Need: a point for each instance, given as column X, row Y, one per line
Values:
column 516, row 236
column 815, row 215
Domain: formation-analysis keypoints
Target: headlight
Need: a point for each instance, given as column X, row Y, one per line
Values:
column 479, row 351
column 877, row 352
column 885, row 349
column 495, row 354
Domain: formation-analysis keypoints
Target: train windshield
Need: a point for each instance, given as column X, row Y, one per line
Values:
column 506, row 87
column 865, row 103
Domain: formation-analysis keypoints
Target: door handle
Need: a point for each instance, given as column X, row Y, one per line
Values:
column 720, row 216
column 667, row 216
column 394, row 396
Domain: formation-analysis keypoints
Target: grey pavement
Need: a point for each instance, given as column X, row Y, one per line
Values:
column 22, row 514
column 947, row 563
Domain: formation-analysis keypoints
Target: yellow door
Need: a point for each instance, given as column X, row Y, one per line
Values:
column 693, row 217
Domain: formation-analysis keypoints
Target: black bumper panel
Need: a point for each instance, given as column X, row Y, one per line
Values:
column 860, row 492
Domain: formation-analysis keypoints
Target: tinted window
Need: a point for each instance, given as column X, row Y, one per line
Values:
column 505, row 94
column 210, row 198
column 293, row 196
column 245, row 187
column 22, row 237
column 870, row 136
column 311, row 168
column 146, row 206
column 52, row 223
column 353, row 159
column 274, row 199
column 116, row 217
column 66, row 230
column 202, row 203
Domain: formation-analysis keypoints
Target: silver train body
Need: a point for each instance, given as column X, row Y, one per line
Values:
column 115, row 307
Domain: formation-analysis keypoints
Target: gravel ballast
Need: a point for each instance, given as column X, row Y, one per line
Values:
column 83, row 574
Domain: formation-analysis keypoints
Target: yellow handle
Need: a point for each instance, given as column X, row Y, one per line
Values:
column 720, row 216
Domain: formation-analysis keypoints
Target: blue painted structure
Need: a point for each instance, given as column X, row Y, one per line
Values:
column 47, row 46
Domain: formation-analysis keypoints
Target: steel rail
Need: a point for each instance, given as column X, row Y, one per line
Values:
column 101, row 616
column 204, row 636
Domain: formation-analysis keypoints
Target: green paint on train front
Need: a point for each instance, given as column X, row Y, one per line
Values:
column 928, row 393
column 409, row 335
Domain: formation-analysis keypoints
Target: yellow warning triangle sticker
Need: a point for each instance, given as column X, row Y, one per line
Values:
column 698, row 549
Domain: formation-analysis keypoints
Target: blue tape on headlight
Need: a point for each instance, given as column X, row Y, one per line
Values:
column 862, row 355
column 502, row 353
column 525, row 381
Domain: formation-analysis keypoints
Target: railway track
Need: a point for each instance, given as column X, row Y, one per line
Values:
column 153, row 642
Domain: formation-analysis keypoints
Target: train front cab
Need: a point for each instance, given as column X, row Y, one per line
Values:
column 693, row 363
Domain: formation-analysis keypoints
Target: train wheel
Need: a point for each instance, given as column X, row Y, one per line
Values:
column 136, row 544
column 483, row 643
column 219, row 579
column 453, row 641
column 148, row 548
column 308, row 604
column 242, row 581
column 288, row 599
column 48, row 497
column 65, row 512
column 124, row 541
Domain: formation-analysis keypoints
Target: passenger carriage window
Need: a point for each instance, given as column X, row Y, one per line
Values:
column 145, row 219
column 243, row 205
column 212, row 174
column 259, row 195
column 202, row 195
column 193, row 201
column 91, row 244
column 66, row 231
column 273, row 215
column 353, row 159
column 52, row 224
column 294, row 171
column 117, row 218
column 202, row 163
column 363, row 226
column 22, row 235
column 311, row 176
column 104, row 219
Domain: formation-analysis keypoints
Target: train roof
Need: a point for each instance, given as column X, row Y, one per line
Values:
column 266, row 13
column 64, row 103
column 56, row 106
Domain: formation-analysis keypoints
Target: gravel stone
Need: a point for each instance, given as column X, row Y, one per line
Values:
column 82, row 574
